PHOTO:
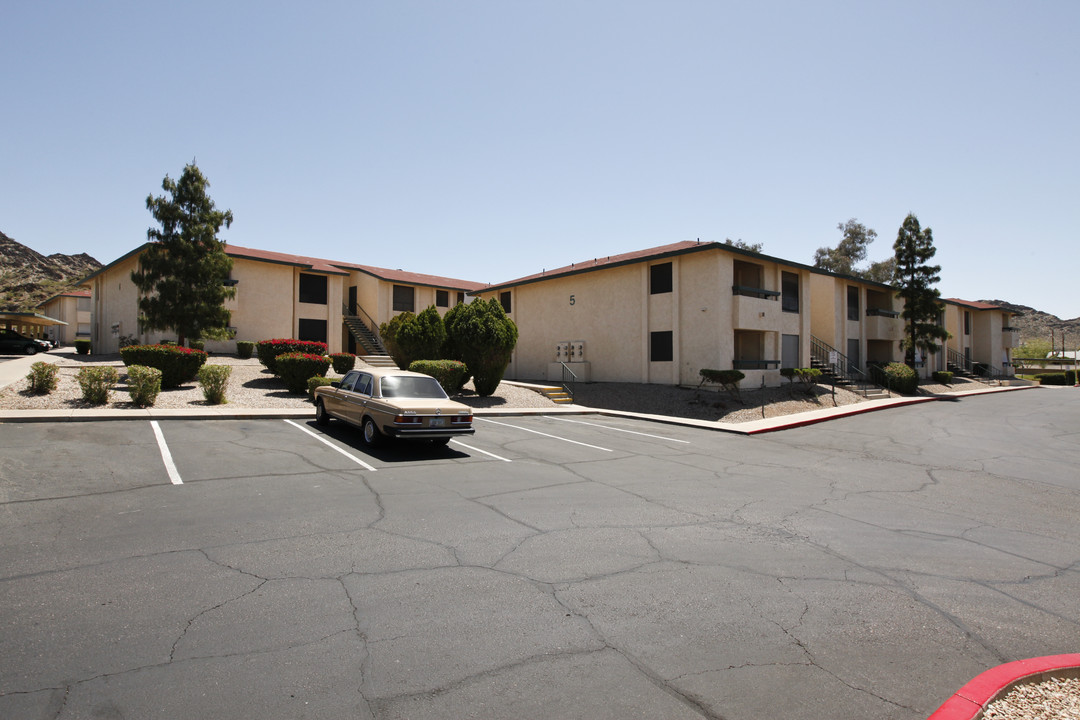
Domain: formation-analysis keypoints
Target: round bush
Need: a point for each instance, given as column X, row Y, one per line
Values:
column 82, row 347
column 43, row 377
column 295, row 368
column 144, row 384
column 901, row 378
column 214, row 379
column 451, row 374
column 95, row 383
column 178, row 365
column 342, row 362
column 245, row 349
column 314, row 382
column 268, row 350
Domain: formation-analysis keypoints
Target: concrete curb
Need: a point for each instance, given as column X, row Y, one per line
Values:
column 969, row 701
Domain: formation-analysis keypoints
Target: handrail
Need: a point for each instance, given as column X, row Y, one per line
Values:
column 881, row 312
column 843, row 367
column 960, row 360
column 368, row 321
column 754, row 364
column 568, row 380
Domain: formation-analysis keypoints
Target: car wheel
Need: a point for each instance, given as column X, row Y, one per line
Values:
column 31, row 350
column 321, row 416
column 370, row 432
column 440, row 442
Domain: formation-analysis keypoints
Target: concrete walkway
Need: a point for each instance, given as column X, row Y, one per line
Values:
column 15, row 369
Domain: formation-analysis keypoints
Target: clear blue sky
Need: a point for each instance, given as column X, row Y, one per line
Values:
column 489, row 140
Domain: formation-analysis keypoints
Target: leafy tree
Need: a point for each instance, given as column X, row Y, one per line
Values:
column 1034, row 348
column 483, row 338
column 913, row 248
column 752, row 247
column 880, row 272
column 851, row 250
column 417, row 337
column 183, row 272
column 388, row 334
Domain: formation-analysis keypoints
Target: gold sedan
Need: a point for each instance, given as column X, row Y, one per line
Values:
column 385, row 402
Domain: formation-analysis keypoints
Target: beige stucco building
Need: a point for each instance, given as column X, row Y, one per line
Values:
column 73, row 309
column 660, row 316
column 982, row 339
column 279, row 295
column 857, row 318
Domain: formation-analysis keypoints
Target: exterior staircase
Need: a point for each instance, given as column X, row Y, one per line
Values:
column 364, row 336
column 557, row 394
column 379, row 361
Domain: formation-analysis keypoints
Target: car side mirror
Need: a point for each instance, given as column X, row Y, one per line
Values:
column 336, row 383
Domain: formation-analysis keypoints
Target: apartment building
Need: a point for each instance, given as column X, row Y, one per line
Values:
column 73, row 309
column 982, row 338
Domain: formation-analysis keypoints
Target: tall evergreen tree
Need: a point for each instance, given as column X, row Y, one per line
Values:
column 182, row 274
column 914, row 247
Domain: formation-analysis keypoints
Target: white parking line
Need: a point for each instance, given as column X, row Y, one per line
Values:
column 323, row 440
column 609, row 427
column 555, row 437
column 166, row 456
column 474, row 449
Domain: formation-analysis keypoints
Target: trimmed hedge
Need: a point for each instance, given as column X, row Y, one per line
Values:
column 943, row 377
column 178, row 365
column 1070, row 377
column 1051, row 379
column 451, row 374
column 723, row 377
column 317, row 381
column 897, row 377
column 295, row 368
column 82, row 347
column 268, row 350
column 144, row 384
column 245, row 349
column 342, row 362
column 197, row 344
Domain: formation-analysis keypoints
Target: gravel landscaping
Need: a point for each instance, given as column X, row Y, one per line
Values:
column 252, row 386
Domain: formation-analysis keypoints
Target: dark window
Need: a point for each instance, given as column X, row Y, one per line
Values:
column 311, row 330
column 967, row 323
column 789, row 286
column 442, row 298
column 460, row 298
column 504, row 298
column 403, row 298
column 852, row 303
column 660, row 347
column 660, row 279
column 313, row 289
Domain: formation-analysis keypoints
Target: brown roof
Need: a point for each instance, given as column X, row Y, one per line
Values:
column 336, row 267
column 69, row 293
column 974, row 304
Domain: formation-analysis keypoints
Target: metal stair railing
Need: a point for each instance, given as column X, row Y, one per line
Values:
column 843, row 367
column 568, row 380
column 959, row 360
column 370, row 326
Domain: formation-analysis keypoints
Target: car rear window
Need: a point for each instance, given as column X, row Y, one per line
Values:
column 396, row 386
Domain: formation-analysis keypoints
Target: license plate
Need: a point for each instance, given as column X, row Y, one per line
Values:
column 437, row 422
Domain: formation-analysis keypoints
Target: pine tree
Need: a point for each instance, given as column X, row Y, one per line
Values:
column 914, row 247
column 182, row 274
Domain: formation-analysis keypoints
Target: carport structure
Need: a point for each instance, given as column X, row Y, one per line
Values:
column 27, row 323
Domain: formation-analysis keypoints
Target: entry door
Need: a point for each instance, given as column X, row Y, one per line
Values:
column 352, row 300
column 789, row 351
column 854, row 361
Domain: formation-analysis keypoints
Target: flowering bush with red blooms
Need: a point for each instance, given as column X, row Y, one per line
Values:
column 295, row 368
column 270, row 349
column 178, row 365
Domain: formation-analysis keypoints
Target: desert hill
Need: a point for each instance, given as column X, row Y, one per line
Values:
column 28, row 277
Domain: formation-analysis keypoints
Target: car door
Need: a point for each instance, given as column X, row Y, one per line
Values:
column 336, row 399
column 358, row 398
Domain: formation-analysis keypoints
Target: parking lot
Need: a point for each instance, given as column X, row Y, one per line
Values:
column 585, row 567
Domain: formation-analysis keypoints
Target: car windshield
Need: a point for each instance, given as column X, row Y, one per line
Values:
column 407, row 386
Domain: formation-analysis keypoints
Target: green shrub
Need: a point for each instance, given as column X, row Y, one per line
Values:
column 96, row 382
column 722, row 377
column 1070, row 377
column 451, row 374
column 43, row 377
column 268, row 350
column 82, row 347
column 483, row 337
column 245, row 349
column 943, row 377
column 900, row 378
column 342, row 362
column 197, row 344
column 314, row 382
column 214, row 379
column 144, row 384
column 1051, row 378
column 419, row 337
column 806, row 377
column 178, row 365
column 295, row 368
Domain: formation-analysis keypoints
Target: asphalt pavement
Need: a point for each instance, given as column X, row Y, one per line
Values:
column 547, row 567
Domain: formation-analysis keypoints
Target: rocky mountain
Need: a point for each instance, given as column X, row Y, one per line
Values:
column 28, row 277
column 1037, row 324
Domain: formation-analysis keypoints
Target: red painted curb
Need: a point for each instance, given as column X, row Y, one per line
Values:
column 970, row 700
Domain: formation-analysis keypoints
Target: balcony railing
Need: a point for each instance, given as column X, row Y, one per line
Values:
column 748, row 291
column 754, row 364
column 881, row 312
